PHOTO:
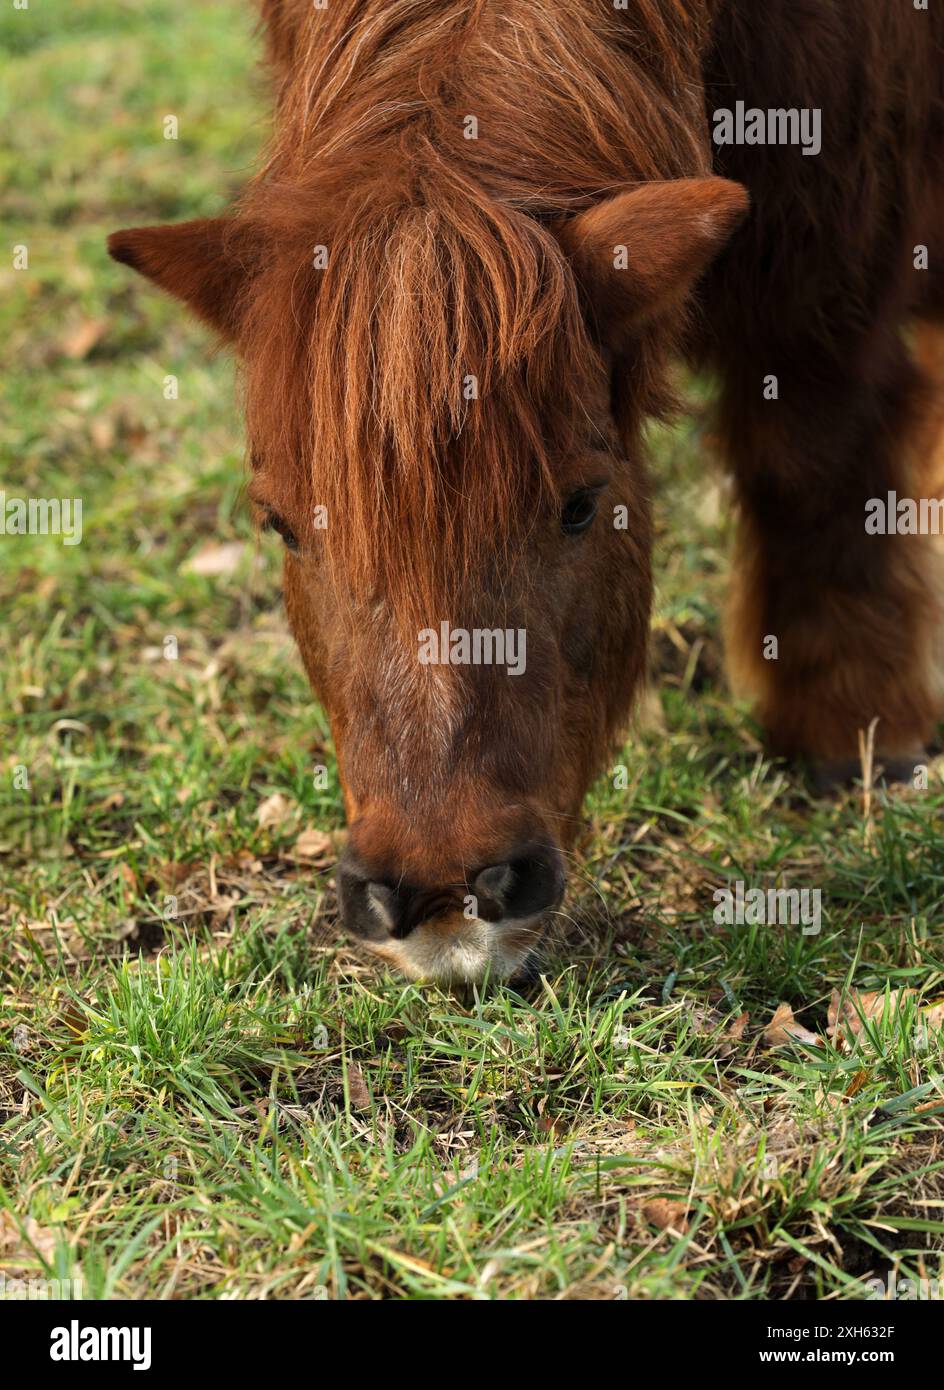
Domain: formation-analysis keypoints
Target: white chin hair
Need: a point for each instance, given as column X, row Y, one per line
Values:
column 460, row 950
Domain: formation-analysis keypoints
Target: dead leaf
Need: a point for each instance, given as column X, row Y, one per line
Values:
column 847, row 1016
column 930, row 1021
column 857, row 1082
column 451, row 1178
column 934, row 1016
column 82, row 337
column 274, row 810
column 214, row 559
column 736, row 1031
column 667, row 1215
column 357, row 1087
column 74, row 1018
column 783, row 1028
column 18, row 1245
column 129, row 877
column 243, row 862
column 313, row 844
column 103, row 433
column 704, row 1021
column 170, row 875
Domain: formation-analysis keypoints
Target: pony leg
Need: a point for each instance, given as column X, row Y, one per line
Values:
column 830, row 628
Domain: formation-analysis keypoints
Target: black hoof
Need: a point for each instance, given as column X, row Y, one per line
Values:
column 829, row 777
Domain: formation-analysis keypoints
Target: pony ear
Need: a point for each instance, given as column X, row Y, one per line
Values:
column 642, row 251
column 208, row 264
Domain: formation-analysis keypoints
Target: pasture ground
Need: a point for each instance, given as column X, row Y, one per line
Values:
column 234, row 1103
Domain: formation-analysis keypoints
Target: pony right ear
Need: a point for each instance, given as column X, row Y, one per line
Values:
column 641, row 251
column 207, row 263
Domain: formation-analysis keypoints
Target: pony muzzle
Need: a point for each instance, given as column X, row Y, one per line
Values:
column 487, row 920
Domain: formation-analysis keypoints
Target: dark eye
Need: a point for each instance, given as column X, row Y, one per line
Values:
column 275, row 523
column 579, row 511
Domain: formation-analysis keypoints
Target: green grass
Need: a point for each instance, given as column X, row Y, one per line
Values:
column 232, row 1101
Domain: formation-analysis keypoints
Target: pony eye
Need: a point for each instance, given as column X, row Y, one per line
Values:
column 579, row 511
column 275, row 523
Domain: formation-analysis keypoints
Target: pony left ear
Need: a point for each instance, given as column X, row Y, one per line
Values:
column 207, row 263
column 642, row 251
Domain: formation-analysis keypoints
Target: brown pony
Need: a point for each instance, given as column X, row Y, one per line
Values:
column 484, row 230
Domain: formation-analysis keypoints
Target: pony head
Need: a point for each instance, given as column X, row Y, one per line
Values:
column 445, row 386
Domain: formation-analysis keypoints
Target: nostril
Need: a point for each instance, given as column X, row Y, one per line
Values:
column 525, row 886
column 382, row 901
column 495, row 882
column 372, row 910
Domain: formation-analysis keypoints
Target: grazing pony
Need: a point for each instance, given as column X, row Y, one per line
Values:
column 483, row 232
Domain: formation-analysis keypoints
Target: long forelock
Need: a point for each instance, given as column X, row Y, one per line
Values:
column 424, row 386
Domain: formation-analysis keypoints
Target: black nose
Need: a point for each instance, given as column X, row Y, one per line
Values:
column 528, row 883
